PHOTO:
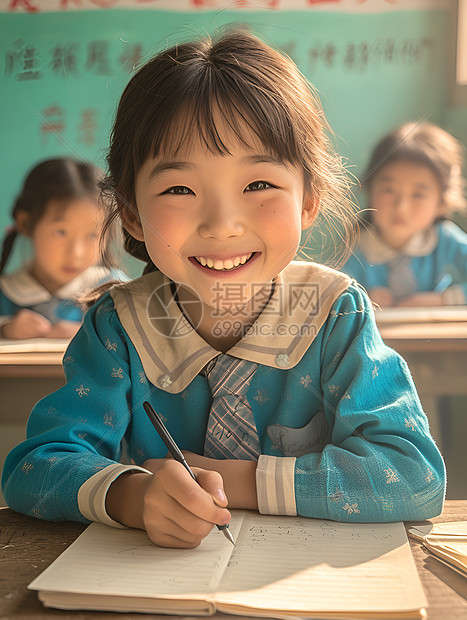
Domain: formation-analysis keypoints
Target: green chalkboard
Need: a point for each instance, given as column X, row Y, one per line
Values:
column 61, row 74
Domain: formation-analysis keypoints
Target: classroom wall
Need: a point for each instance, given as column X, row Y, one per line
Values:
column 63, row 64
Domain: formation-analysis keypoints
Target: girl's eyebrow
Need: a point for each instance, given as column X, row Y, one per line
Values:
column 260, row 158
column 263, row 158
column 388, row 179
column 162, row 166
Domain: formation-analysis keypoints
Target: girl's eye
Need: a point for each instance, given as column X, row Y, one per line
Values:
column 257, row 186
column 60, row 233
column 179, row 190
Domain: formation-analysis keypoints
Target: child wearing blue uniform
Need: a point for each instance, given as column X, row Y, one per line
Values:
column 269, row 373
column 58, row 211
column 409, row 253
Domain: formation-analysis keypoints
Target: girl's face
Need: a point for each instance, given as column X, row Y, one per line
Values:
column 222, row 226
column 65, row 241
column 406, row 198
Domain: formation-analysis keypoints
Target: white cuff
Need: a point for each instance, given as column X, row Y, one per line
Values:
column 275, row 485
column 92, row 494
column 454, row 296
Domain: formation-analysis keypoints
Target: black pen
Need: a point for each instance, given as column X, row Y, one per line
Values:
column 177, row 454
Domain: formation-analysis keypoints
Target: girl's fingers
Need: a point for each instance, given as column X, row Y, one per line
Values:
column 177, row 510
column 198, row 497
column 168, row 523
column 212, row 483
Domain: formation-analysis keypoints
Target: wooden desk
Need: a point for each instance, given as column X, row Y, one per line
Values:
column 38, row 357
column 426, row 337
column 434, row 344
column 28, row 546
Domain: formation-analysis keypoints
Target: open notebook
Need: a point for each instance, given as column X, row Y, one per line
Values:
column 280, row 567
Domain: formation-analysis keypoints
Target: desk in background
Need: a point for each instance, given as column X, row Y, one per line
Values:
column 34, row 358
column 434, row 345
column 29, row 370
column 28, row 546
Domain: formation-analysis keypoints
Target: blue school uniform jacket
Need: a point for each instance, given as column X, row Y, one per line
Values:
column 19, row 290
column 342, row 432
column 437, row 258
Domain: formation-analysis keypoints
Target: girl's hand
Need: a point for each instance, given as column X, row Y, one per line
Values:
column 381, row 296
column 239, row 478
column 26, row 324
column 64, row 329
column 428, row 298
column 174, row 510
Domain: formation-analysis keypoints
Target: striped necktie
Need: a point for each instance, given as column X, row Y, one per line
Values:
column 231, row 431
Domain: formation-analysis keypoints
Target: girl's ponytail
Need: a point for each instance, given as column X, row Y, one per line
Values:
column 7, row 247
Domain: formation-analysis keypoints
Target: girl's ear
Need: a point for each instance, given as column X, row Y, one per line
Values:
column 131, row 222
column 310, row 210
column 22, row 223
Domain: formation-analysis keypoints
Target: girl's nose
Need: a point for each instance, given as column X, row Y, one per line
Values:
column 76, row 248
column 221, row 220
column 401, row 202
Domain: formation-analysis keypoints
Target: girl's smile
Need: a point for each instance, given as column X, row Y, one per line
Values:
column 221, row 265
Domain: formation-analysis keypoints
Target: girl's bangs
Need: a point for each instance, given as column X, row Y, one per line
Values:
column 202, row 121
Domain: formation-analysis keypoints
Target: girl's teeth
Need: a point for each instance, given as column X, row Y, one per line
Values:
column 223, row 265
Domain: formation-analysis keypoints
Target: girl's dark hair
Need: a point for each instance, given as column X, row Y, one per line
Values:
column 427, row 145
column 60, row 179
column 174, row 99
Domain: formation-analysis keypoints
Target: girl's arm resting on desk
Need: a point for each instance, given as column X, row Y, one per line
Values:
column 423, row 299
column 76, row 432
column 239, row 478
column 381, row 464
column 64, row 329
column 70, row 459
column 26, row 324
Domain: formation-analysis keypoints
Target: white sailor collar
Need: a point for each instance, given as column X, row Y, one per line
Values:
column 378, row 252
column 173, row 353
column 24, row 290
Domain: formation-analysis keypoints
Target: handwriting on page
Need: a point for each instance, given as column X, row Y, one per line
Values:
column 304, row 560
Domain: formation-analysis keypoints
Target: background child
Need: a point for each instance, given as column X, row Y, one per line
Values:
column 58, row 211
column 411, row 255
column 269, row 374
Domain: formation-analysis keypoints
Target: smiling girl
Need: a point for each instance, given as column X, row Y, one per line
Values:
column 268, row 373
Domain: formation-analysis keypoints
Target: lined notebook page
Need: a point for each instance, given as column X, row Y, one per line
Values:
column 320, row 565
column 116, row 562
